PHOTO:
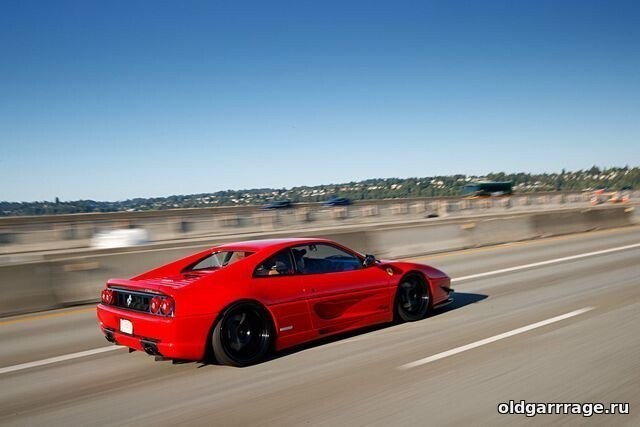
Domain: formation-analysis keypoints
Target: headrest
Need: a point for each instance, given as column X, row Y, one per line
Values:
column 299, row 252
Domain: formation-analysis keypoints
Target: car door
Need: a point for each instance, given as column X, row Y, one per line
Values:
column 278, row 285
column 341, row 293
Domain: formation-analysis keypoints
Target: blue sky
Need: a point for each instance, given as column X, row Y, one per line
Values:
column 110, row 100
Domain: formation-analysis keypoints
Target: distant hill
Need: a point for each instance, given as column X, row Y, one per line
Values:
column 378, row 188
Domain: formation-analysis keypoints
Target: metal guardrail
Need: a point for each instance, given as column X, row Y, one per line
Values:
column 53, row 232
column 223, row 210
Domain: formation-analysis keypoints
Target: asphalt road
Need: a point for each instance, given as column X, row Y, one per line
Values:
column 522, row 350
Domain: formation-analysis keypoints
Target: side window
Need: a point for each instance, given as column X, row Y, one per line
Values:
column 218, row 260
column 323, row 258
column 276, row 265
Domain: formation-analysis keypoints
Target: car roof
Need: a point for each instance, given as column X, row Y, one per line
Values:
column 260, row 245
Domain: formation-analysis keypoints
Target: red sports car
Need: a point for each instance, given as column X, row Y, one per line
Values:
column 237, row 301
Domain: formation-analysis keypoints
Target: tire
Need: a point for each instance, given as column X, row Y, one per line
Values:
column 243, row 336
column 413, row 298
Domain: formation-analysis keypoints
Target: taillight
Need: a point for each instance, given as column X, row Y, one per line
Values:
column 107, row 296
column 166, row 306
column 161, row 305
column 155, row 305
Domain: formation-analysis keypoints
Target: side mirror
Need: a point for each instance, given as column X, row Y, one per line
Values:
column 369, row 260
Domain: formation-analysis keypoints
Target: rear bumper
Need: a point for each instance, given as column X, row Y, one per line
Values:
column 169, row 337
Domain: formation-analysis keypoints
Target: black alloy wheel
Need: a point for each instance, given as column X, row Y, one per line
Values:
column 243, row 336
column 413, row 298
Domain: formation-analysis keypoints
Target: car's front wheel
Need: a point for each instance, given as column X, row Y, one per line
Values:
column 243, row 336
column 413, row 298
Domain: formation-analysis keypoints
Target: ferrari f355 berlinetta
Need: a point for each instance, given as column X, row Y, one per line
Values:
column 236, row 302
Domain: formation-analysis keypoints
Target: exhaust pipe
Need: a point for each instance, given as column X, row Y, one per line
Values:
column 108, row 335
column 150, row 348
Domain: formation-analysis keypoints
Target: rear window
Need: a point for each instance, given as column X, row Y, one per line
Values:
column 218, row 260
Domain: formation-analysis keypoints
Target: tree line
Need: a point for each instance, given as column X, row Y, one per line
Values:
column 378, row 188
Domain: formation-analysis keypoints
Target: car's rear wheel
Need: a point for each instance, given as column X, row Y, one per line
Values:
column 243, row 336
column 413, row 298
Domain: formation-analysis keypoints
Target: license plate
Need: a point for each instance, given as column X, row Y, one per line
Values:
column 126, row 326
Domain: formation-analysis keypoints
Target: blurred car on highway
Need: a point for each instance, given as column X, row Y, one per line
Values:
column 337, row 201
column 236, row 302
column 119, row 238
column 277, row 204
column 601, row 196
column 488, row 189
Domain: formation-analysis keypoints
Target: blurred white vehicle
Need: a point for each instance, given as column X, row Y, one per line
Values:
column 120, row 238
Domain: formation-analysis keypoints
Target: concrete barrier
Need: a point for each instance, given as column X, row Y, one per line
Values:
column 398, row 242
column 60, row 232
column 26, row 287
column 576, row 221
column 61, row 280
column 493, row 231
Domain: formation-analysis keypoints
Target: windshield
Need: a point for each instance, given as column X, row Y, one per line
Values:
column 218, row 260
